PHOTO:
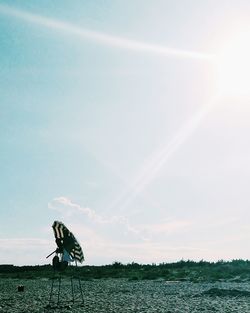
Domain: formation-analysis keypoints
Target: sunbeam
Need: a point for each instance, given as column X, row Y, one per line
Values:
column 102, row 38
column 158, row 159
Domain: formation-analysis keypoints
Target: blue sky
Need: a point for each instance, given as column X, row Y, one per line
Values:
column 110, row 121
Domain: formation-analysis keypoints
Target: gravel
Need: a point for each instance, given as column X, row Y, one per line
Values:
column 120, row 295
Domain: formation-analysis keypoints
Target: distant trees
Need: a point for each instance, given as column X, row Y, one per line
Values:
column 182, row 270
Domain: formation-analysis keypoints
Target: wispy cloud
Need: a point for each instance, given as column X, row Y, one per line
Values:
column 67, row 208
column 100, row 37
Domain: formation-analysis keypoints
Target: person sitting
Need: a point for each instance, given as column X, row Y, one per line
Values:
column 64, row 246
column 63, row 264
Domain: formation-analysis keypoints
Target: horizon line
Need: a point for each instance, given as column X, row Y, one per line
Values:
column 137, row 263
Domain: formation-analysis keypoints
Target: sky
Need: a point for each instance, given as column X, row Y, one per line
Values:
column 129, row 122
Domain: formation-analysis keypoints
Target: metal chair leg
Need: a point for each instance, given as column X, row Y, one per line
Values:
column 72, row 289
column 51, row 289
column 59, row 290
column 80, row 287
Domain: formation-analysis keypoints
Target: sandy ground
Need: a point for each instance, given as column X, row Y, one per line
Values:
column 119, row 295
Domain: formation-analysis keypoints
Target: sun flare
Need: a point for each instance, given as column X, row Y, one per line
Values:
column 233, row 67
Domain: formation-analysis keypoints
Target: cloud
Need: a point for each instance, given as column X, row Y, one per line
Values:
column 100, row 37
column 62, row 204
column 67, row 208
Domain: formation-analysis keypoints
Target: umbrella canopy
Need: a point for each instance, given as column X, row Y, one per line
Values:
column 66, row 240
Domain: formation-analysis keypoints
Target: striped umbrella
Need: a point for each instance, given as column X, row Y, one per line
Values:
column 66, row 240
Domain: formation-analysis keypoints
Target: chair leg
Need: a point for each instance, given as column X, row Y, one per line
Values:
column 72, row 289
column 59, row 290
column 51, row 289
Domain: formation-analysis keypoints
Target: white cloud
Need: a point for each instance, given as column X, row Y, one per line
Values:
column 67, row 208
column 65, row 205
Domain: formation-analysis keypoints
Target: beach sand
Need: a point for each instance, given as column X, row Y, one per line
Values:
column 120, row 295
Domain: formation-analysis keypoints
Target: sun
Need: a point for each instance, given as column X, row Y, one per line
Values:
column 233, row 67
